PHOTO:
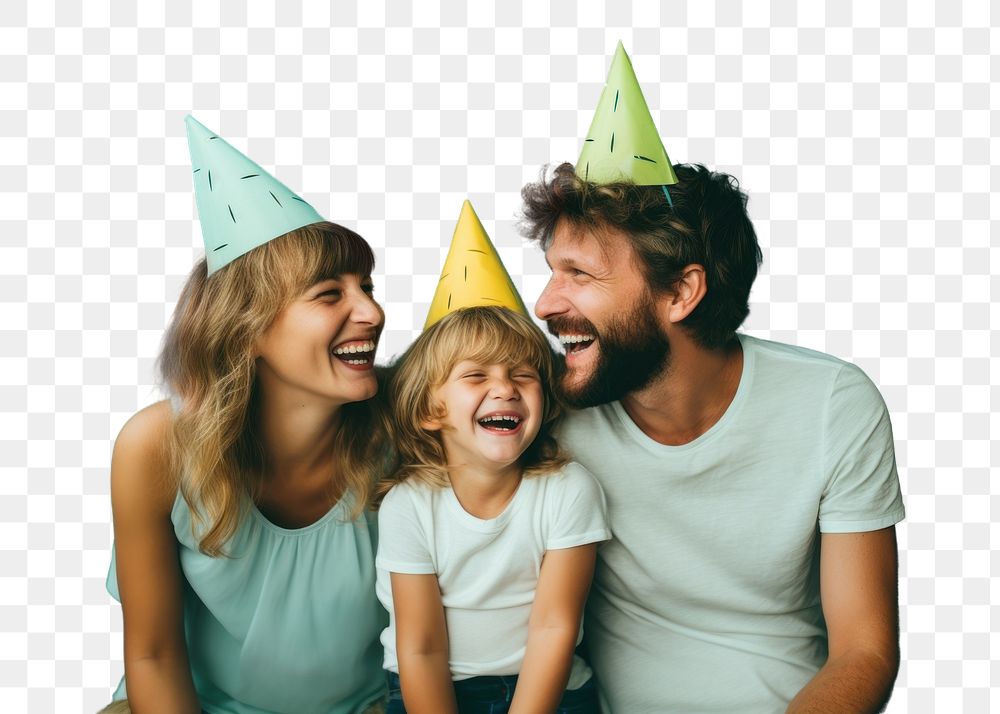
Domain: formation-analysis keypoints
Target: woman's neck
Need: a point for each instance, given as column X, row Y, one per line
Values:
column 297, row 436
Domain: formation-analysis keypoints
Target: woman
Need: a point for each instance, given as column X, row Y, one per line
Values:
column 244, row 553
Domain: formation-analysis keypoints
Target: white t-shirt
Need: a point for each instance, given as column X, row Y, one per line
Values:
column 487, row 569
column 707, row 599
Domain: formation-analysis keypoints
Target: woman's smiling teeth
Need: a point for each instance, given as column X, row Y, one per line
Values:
column 357, row 353
column 500, row 423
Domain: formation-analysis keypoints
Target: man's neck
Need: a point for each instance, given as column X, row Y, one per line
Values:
column 691, row 396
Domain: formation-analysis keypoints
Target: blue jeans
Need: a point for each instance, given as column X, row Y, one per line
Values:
column 492, row 695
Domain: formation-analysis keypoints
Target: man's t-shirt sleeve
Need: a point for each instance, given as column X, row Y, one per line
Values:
column 862, row 486
column 403, row 540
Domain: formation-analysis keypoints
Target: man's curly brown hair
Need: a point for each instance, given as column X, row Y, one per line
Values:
column 707, row 225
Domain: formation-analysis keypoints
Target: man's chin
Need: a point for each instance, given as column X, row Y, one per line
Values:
column 577, row 391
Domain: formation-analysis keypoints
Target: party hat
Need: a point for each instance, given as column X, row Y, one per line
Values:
column 623, row 143
column 473, row 273
column 240, row 205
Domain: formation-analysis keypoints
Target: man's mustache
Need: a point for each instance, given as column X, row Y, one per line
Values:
column 571, row 325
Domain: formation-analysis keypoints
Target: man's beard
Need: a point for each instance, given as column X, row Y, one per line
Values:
column 632, row 351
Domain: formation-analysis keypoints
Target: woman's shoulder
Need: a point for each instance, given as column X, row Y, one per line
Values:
column 140, row 462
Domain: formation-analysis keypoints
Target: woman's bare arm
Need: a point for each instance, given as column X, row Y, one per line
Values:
column 149, row 577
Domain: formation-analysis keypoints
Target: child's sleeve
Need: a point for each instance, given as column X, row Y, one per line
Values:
column 577, row 511
column 404, row 537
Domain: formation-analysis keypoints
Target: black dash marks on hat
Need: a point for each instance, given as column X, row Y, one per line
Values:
column 275, row 198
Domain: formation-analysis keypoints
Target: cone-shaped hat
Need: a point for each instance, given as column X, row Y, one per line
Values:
column 473, row 274
column 240, row 205
column 623, row 143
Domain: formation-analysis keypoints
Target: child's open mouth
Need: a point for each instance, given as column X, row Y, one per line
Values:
column 500, row 423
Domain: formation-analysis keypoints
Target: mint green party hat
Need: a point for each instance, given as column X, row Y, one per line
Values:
column 623, row 143
column 240, row 205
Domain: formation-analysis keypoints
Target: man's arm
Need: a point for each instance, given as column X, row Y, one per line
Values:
column 859, row 591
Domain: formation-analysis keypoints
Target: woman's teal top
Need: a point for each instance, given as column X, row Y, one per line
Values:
column 288, row 622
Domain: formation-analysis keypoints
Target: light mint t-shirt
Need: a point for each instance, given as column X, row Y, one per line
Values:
column 707, row 597
column 289, row 623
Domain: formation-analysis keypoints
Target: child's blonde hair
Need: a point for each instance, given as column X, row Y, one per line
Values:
column 208, row 362
column 487, row 335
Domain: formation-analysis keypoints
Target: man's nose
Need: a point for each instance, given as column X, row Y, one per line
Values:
column 548, row 304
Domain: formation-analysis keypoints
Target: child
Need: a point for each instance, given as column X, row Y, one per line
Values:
column 488, row 535
column 244, row 561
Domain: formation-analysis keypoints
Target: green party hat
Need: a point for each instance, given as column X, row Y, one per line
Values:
column 240, row 205
column 473, row 274
column 623, row 143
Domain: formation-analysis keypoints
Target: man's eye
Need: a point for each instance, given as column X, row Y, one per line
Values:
column 334, row 294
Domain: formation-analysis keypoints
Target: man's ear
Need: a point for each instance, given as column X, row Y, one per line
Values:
column 688, row 292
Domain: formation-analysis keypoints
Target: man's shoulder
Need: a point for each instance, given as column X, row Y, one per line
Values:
column 796, row 373
column 599, row 419
column 769, row 352
column 798, row 368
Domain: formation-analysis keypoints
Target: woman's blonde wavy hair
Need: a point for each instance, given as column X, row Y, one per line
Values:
column 487, row 335
column 208, row 364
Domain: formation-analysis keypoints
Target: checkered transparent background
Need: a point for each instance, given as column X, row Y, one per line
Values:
column 863, row 131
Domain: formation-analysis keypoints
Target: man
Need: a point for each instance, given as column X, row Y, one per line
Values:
column 751, row 486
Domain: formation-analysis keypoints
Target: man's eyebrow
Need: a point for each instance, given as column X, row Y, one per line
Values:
column 570, row 261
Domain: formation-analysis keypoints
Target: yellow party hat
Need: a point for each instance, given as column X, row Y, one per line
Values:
column 473, row 273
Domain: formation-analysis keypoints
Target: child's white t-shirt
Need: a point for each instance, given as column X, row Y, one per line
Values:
column 487, row 569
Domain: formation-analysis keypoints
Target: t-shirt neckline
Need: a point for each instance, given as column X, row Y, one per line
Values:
column 719, row 427
column 484, row 525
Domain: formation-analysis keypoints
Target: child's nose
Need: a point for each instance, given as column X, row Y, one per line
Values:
column 504, row 388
